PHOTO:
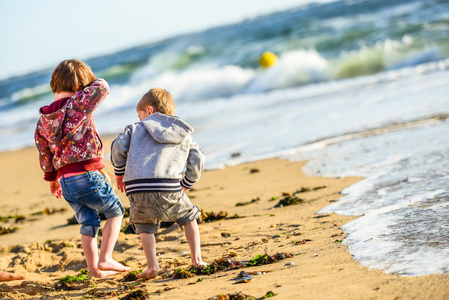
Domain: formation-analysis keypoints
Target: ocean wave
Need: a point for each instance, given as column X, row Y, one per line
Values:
column 385, row 55
column 295, row 68
column 204, row 82
column 199, row 81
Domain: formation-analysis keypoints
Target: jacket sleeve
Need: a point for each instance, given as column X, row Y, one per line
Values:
column 119, row 151
column 45, row 157
column 194, row 167
column 88, row 99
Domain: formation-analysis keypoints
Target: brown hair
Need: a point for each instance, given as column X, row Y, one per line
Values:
column 159, row 99
column 71, row 75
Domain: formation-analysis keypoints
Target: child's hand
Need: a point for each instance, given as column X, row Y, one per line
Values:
column 120, row 184
column 185, row 190
column 55, row 189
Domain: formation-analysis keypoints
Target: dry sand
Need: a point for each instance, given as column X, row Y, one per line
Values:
column 44, row 248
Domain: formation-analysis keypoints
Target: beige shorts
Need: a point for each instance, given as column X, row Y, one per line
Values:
column 149, row 208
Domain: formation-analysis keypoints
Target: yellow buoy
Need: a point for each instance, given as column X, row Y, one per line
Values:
column 268, row 59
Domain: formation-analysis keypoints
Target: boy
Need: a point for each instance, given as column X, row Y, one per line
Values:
column 149, row 158
column 70, row 153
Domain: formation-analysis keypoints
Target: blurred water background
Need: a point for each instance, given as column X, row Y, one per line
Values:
column 360, row 89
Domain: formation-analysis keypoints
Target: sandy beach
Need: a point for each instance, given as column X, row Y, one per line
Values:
column 45, row 249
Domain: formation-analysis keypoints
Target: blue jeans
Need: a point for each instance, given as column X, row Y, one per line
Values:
column 89, row 194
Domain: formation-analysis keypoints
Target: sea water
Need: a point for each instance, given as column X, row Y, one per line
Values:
column 360, row 89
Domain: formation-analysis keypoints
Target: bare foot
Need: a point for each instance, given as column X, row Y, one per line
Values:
column 148, row 274
column 101, row 274
column 112, row 265
column 6, row 276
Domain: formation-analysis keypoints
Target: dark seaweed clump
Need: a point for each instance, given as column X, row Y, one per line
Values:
column 264, row 259
column 102, row 294
column 131, row 276
column 181, row 273
column 288, row 199
column 161, row 291
column 248, row 202
column 17, row 218
column 304, row 189
column 219, row 265
column 7, row 229
column 136, row 295
column 212, row 216
column 226, row 264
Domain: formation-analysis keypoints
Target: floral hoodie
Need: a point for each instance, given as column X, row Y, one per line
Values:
column 66, row 133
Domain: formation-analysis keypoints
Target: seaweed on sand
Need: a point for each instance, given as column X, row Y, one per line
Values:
column 182, row 273
column 305, row 190
column 131, row 276
column 248, row 202
column 212, row 216
column 221, row 264
column 218, row 265
column 265, row 259
column 161, row 291
column 136, row 295
column 69, row 278
column 241, row 296
column 231, row 254
column 288, row 199
column 237, row 296
column 269, row 294
column 68, row 283
column 51, row 211
column 226, row 264
column 17, row 218
column 95, row 293
column 236, row 216
column 7, row 229
column 301, row 242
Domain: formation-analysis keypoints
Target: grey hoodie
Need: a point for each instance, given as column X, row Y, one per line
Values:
column 153, row 153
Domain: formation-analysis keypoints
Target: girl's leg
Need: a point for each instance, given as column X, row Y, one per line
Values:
column 193, row 238
column 111, row 231
column 91, row 253
column 149, row 247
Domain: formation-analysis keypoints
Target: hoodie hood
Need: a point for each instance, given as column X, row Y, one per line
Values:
column 167, row 129
column 51, row 119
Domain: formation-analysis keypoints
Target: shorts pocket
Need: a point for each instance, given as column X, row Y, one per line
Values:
column 91, row 199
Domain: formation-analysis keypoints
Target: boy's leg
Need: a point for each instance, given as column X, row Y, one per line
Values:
column 111, row 231
column 149, row 247
column 91, row 253
column 193, row 238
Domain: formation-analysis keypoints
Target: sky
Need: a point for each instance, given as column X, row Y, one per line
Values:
column 36, row 35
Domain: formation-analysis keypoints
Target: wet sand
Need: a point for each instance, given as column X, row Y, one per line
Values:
column 44, row 248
